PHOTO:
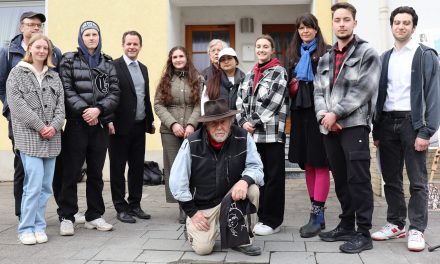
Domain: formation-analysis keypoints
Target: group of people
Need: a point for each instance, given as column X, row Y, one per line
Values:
column 105, row 104
column 223, row 131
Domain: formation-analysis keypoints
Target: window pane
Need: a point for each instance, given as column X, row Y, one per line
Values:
column 223, row 35
column 10, row 19
column 200, row 61
column 200, row 40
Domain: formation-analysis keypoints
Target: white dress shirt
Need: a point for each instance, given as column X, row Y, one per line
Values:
column 399, row 78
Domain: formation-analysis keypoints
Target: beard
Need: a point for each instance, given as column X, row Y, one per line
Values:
column 344, row 37
column 219, row 138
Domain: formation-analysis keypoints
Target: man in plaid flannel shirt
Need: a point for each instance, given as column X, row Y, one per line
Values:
column 345, row 93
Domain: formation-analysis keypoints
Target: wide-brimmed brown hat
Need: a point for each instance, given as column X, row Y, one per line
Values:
column 215, row 110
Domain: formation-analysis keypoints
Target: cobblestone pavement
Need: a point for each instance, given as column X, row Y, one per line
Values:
column 161, row 240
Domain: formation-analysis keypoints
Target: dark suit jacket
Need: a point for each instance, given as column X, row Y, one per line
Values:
column 125, row 114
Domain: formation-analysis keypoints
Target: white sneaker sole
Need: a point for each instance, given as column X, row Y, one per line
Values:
column 67, row 233
column 401, row 235
column 276, row 230
column 90, row 226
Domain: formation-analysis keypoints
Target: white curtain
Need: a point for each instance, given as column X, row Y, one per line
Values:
column 10, row 20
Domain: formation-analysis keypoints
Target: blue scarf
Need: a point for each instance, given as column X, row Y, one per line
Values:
column 303, row 70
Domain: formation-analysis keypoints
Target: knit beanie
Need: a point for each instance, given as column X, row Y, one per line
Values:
column 88, row 25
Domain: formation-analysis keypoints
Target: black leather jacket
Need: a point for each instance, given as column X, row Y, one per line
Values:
column 85, row 87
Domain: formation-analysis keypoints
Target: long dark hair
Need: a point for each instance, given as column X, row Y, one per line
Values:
column 213, row 86
column 192, row 78
column 294, row 50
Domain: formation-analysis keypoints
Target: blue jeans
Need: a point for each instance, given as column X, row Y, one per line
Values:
column 37, row 188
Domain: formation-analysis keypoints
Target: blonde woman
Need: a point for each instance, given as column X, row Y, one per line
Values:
column 36, row 100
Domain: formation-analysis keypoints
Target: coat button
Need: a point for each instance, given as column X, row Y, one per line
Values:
column 45, row 106
column 44, row 89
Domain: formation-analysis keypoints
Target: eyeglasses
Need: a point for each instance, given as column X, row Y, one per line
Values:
column 214, row 51
column 33, row 25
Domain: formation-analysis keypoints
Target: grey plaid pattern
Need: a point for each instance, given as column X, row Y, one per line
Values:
column 353, row 96
column 32, row 108
column 266, row 109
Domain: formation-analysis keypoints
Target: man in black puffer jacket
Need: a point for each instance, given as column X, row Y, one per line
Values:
column 91, row 94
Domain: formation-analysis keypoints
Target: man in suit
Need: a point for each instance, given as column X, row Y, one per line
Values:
column 133, row 118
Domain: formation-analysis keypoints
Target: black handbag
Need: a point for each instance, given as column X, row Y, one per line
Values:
column 152, row 173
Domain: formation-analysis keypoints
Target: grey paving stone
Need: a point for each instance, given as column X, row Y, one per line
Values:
column 237, row 257
column 164, row 234
column 214, row 257
column 87, row 253
column 126, row 242
column 116, row 254
column 338, row 258
column 292, row 257
column 323, row 246
column 377, row 257
column 274, row 246
column 280, row 236
column 151, row 256
column 163, row 244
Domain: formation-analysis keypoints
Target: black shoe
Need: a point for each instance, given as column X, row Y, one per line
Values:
column 138, row 212
column 249, row 250
column 125, row 217
column 337, row 234
column 357, row 244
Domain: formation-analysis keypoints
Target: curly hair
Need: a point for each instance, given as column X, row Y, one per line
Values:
column 191, row 77
column 293, row 52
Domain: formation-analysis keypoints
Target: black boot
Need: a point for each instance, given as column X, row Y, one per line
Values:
column 314, row 226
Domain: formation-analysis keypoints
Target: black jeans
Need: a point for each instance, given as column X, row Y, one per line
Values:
column 396, row 147
column 129, row 149
column 18, row 173
column 272, row 193
column 83, row 142
column 349, row 158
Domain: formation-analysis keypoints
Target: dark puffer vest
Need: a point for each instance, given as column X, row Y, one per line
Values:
column 85, row 87
column 214, row 173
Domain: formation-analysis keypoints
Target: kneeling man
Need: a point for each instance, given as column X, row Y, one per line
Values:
column 218, row 159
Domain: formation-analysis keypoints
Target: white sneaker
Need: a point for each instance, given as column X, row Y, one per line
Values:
column 416, row 241
column 27, row 238
column 80, row 218
column 66, row 228
column 99, row 224
column 388, row 231
column 41, row 237
column 261, row 229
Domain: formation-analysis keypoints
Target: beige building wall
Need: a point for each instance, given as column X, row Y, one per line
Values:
column 114, row 17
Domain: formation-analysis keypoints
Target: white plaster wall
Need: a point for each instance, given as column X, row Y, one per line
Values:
column 368, row 19
column 232, row 15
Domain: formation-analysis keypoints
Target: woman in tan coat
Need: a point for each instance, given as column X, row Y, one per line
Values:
column 177, row 104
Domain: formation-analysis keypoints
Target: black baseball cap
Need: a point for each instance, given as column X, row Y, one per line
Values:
column 31, row 14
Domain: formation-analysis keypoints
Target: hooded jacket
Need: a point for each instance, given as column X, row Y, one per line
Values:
column 353, row 96
column 9, row 57
column 424, row 94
